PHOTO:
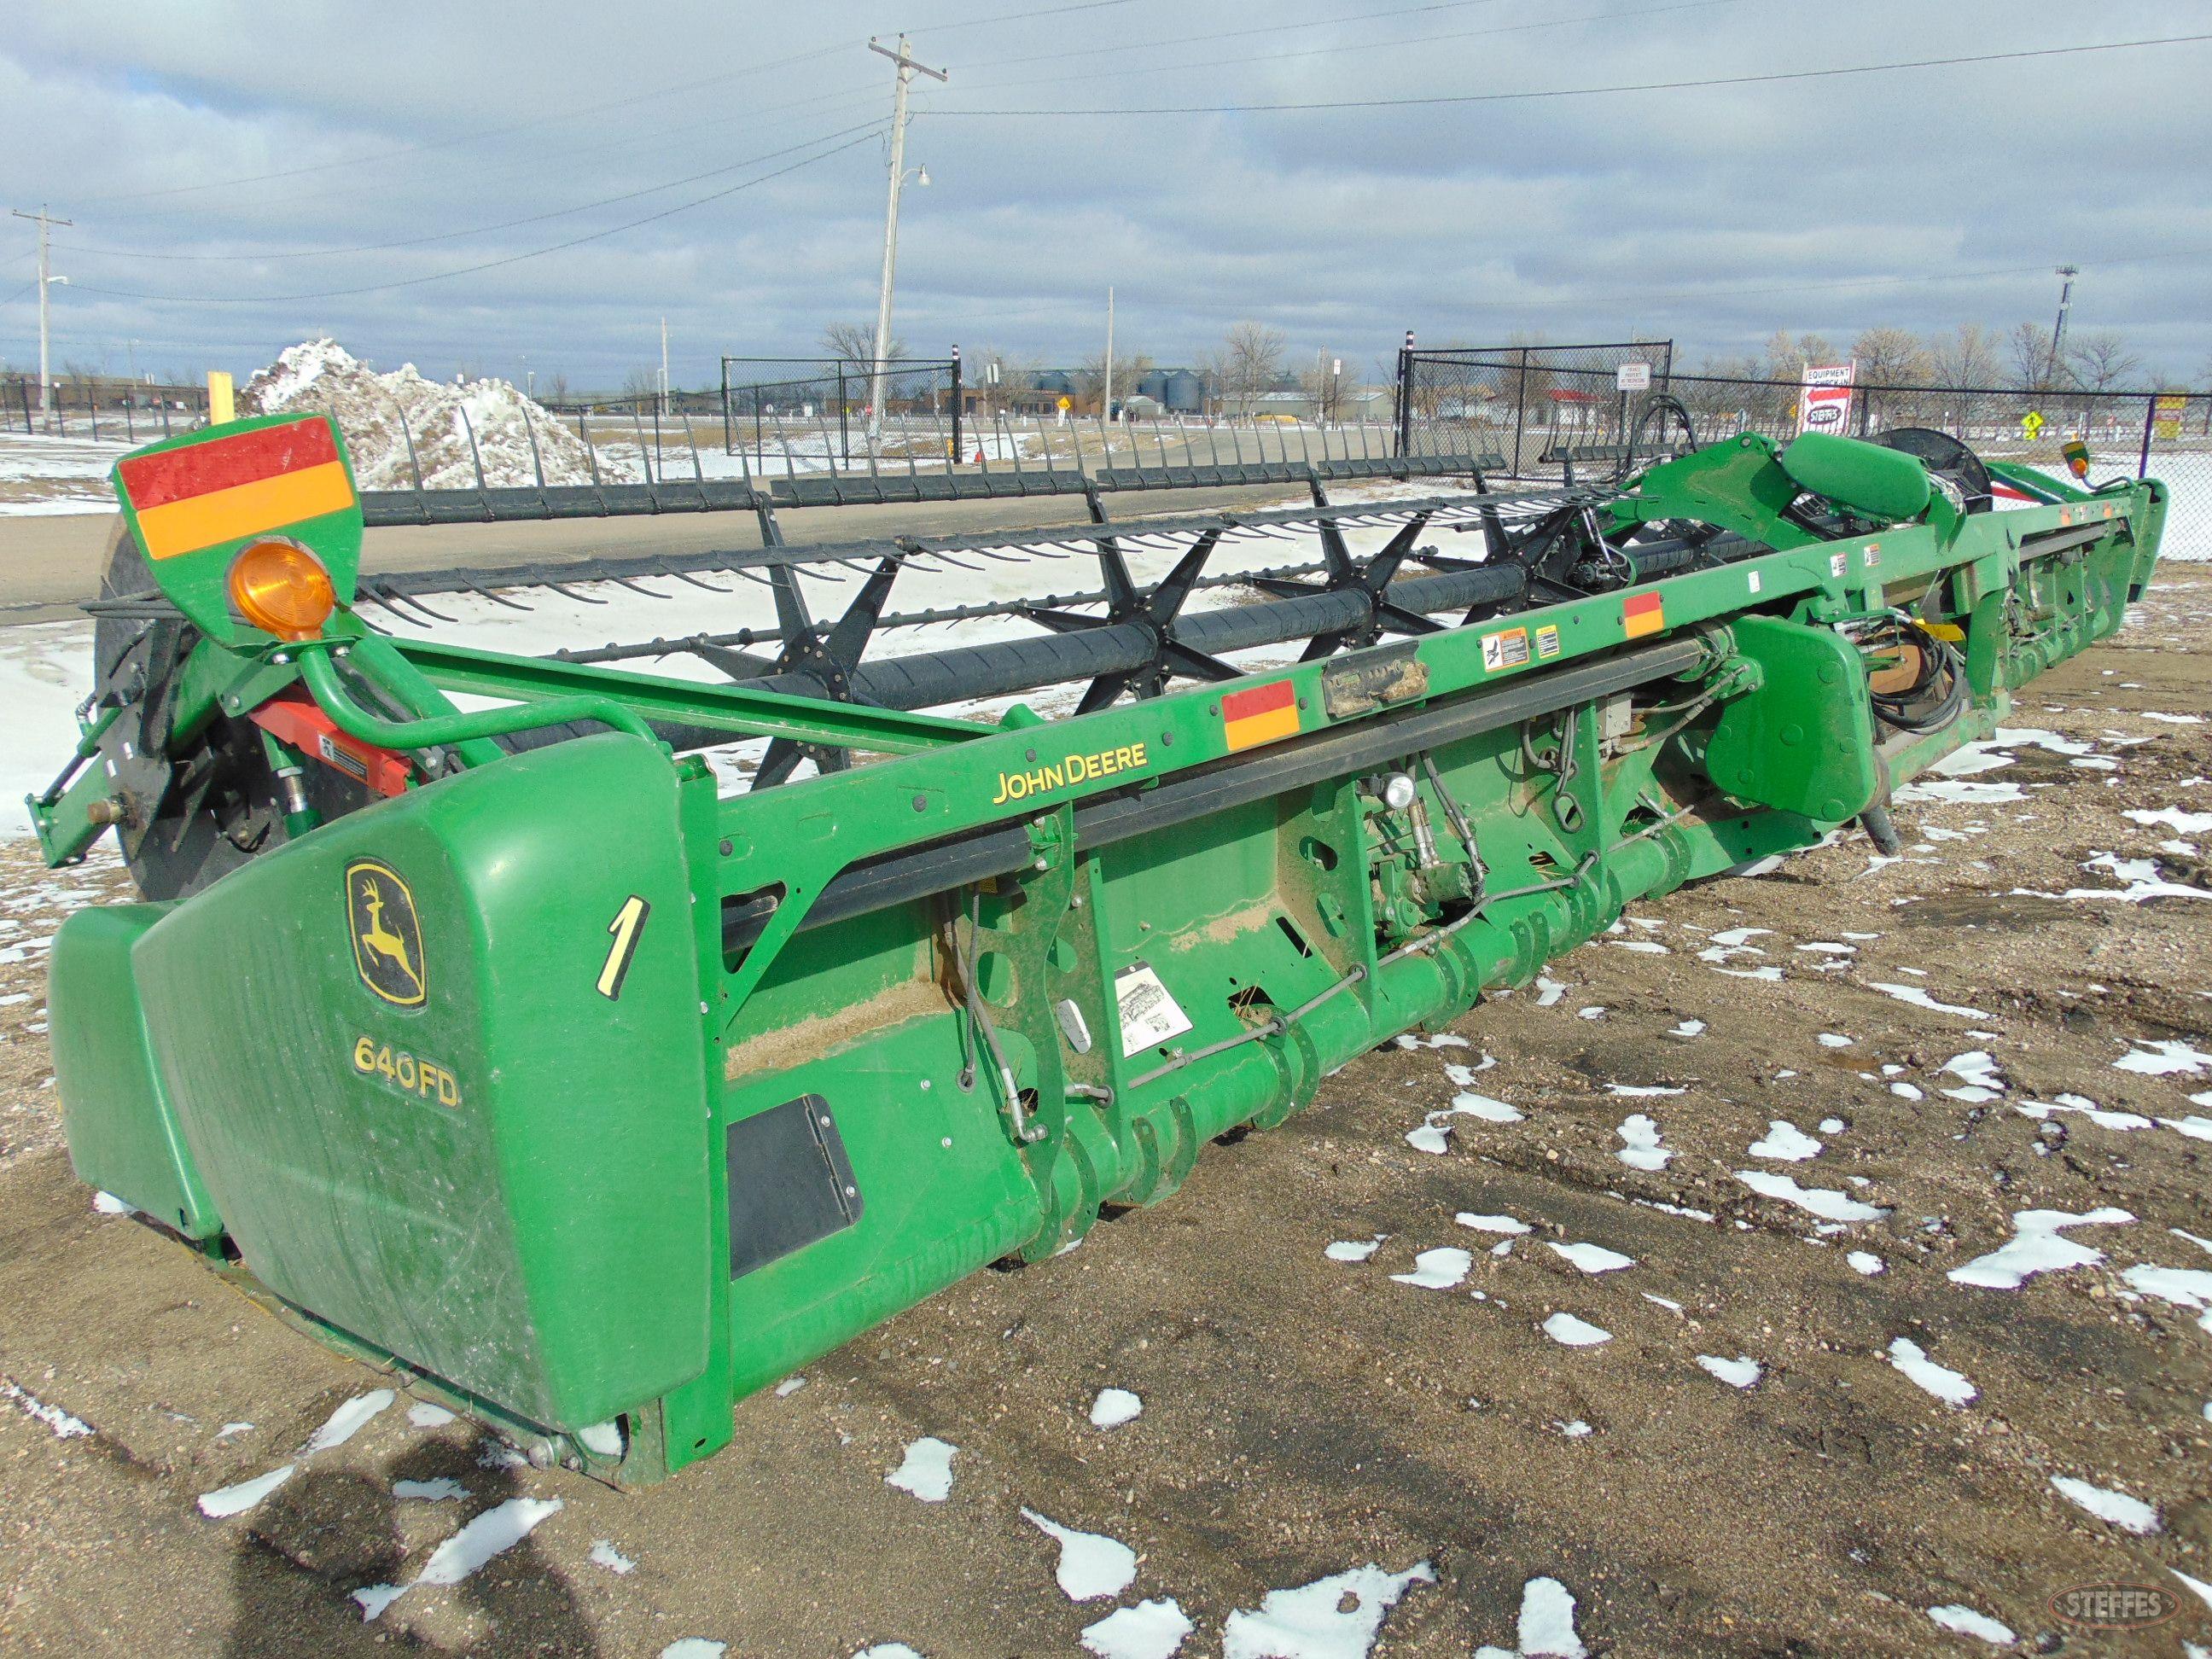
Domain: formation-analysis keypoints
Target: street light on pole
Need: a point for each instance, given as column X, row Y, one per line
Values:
column 2066, row 276
column 881, row 351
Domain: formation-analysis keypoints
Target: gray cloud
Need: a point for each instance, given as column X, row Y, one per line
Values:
column 1716, row 215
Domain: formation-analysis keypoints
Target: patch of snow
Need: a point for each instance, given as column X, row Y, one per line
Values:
column 1592, row 1258
column 1833, row 1040
column 1572, row 1332
column 1965, row 1622
column 2037, row 1246
column 1092, row 1567
column 1482, row 1106
column 2185, row 1287
column 1439, row 1269
column 2117, row 1508
column 236, row 1500
column 1785, row 1142
column 1946, row 1385
column 1866, row 1261
column 1823, row 1201
column 349, row 1420
column 1546, row 1628
column 437, row 1491
column 789, row 1386
column 1549, row 991
column 64, row 1425
column 1349, row 1249
column 1150, row 1630
column 1688, row 1028
column 1920, row 998
column 927, row 1471
column 1740, row 1372
column 605, row 1554
column 1641, row 1149
column 424, row 1415
column 1642, row 1091
column 2160, row 1058
column 1957, row 792
column 1311, row 1621
column 1115, row 1407
column 1491, row 1223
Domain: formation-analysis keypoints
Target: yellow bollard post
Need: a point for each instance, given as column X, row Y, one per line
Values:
column 223, row 407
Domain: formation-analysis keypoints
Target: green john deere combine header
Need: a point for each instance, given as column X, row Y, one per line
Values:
column 498, row 1044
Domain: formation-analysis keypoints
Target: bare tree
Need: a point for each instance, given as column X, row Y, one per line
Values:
column 1251, row 361
column 557, row 389
column 641, row 383
column 2099, row 360
column 1325, row 388
column 856, row 343
column 2027, row 357
column 1890, row 356
column 1128, row 367
column 1967, row 358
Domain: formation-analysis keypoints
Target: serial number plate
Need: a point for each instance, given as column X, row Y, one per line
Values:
column 405, row 1073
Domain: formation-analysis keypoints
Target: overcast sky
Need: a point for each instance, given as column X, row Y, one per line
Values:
column 1922, row 198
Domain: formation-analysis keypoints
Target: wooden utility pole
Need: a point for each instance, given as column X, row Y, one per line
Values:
column 877, row 384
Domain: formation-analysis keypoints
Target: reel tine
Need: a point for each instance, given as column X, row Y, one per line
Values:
column 569, row 593
column 667, row 570
column 495, row 597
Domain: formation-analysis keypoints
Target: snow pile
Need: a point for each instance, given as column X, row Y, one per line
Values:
column 322, row 377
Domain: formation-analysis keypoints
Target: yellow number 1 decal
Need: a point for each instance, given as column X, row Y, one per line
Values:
column 629, row 923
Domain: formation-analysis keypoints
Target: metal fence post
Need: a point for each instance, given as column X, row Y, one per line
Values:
column 1404, row 414
column 2150, row 414
column 954, row 459
column 1520, row 410
column 844, row 433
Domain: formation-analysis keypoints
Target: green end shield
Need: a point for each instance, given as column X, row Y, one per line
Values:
column 194, row 502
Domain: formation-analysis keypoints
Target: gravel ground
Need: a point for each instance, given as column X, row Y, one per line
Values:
column 1748, row 1463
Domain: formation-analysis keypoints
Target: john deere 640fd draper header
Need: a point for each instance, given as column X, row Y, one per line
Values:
column 491, row 1040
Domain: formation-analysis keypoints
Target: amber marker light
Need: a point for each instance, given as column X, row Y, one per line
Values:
column 283, row 589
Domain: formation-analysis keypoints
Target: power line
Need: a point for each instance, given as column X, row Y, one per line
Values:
column 475, row 230
column 1591, row 92
column 838, row 100
column 1708, row 292
column 1337, row 49
column 465, row 137
column 467, row 270
column 1017, row 16
column 1236, row 34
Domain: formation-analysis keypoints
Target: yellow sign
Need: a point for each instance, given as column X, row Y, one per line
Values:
column 1066, row 404
column 1073, row 768
column 223, row 407
column 388, row 939
column 2165, row 416
column 2031, row 425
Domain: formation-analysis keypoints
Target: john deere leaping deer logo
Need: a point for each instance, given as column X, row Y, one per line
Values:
column 388, row 939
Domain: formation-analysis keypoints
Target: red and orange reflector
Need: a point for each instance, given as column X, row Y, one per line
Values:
column 1263, row 714
column 281, row 589
column 205, row 493
column 1642, row 614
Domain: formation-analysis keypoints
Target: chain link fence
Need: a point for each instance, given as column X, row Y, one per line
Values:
column 111, row 411
column 1547, row 412
column 1549, row 415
